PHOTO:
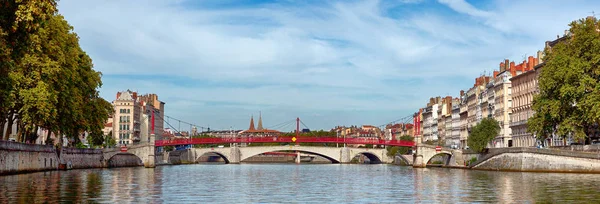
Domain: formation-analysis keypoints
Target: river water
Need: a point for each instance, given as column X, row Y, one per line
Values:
column 291, row 183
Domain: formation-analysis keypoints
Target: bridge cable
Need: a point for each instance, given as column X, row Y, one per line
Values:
column 157, row 115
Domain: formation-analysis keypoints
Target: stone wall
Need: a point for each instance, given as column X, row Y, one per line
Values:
column 582, row 148
column 539, row 160
column 19, row 158
column 82, row 158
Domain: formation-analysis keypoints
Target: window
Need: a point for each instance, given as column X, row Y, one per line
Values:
column 128, row 118
column 128, row 110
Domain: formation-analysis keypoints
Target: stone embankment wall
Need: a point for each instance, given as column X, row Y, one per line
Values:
column 539, row 160
column 21, row 158
column 82, row 158
column 582, row 148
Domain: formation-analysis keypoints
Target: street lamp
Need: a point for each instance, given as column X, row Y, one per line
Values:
column 337, row 145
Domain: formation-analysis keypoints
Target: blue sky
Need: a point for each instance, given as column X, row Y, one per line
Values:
column 217, row 62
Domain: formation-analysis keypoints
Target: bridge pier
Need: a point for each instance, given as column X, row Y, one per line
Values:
column 345, row 156
column 150, row 159
column 235, row 155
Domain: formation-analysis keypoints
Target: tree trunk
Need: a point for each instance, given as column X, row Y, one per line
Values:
column 47, row 137
column 11, row 120
column 60, row 139
column 19, row 131
column 2, row 123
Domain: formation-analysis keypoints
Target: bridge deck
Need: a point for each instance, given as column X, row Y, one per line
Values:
column 372, row 141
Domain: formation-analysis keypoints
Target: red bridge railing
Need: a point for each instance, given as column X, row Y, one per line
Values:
column 373, row 141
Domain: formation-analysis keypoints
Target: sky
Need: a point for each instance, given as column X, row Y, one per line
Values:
column 216, row 63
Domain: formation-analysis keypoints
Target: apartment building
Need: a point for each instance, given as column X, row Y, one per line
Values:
column 463, row 119
column 454, row 140
column 136, row 117
column 427, row 123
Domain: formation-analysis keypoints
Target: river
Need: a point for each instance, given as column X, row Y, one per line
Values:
column 268, row 183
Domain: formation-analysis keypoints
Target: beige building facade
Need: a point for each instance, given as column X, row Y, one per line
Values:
column 135, row 117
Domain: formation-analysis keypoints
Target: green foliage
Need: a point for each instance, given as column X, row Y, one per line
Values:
column 482, row 134
column 568, row 102
column 46, row 79
column 471, row 161
column 169, row 148
column 110, row 141
column 80, row 145
column 95, row 139
column 407, row 138
column 395, row 150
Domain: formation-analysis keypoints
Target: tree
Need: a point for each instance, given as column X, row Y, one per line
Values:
column 50, row 82
column 394, row 150
column 20, row 22
column 110, row 140
column 568, row 103
column 482, row 134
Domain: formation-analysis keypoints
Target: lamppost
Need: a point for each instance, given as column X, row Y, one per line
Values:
column 337, row 145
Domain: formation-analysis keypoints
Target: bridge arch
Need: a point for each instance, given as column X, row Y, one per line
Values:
column 374, row 159
column 333, row 160
column 332, row 154
column 424, row 153
column 404, row 159
column 225, row 158
column 444, row 153
column 124, row 159
column 143, row 152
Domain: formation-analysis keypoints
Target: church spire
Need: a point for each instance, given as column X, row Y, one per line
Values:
column 260, row 127
column 251, row 123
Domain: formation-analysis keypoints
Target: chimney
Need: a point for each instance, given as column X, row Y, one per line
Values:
column 540, row 55
column 496, row 73
column 531, row 63
column 134, row 95
column 501, row 67
column 118, row 94
column 506, row 63
column 462, row 92
column 512, row 66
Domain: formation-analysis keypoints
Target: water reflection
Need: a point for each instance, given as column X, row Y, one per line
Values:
column 332, row 183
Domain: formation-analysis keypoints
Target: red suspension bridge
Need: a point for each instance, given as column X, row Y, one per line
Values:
column 269, row 138
column 372, row 141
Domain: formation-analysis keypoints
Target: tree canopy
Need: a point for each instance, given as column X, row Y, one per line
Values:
column 47, row 80
column 482, row 134
column 568, row 103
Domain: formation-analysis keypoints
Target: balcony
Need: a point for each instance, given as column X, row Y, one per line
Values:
column 521, row 122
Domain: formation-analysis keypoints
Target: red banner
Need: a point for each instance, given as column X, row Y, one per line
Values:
column 152, row 122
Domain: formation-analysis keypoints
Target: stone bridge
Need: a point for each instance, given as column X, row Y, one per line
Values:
column 145, row 152
column 424, row 153
column 235, row 155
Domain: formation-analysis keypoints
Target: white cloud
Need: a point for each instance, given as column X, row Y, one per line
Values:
column 340, row 56
column 463, row 6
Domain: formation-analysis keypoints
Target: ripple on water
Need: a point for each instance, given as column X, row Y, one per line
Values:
column 268, row 183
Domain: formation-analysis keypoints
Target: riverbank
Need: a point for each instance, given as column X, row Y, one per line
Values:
column 522, row 159
column 16, row 158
